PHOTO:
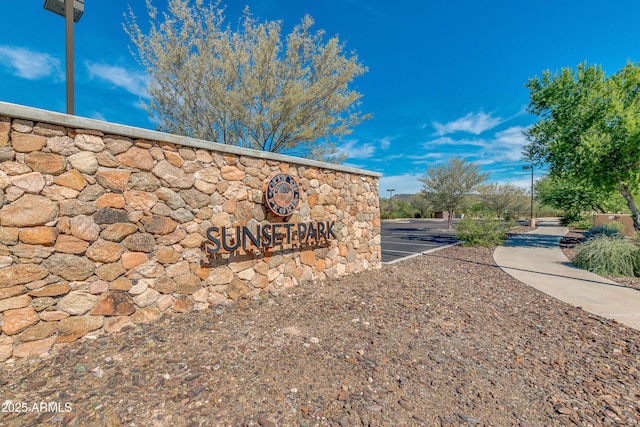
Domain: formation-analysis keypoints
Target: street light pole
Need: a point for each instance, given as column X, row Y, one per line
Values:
column 391, row 193
column 532, row 221
column 68, row 16
column 71, row 10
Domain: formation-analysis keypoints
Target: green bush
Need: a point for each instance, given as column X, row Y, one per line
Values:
column 570, row 217
column 612, row 229
column 482, row 232
column 608, row 256
column 581, row 224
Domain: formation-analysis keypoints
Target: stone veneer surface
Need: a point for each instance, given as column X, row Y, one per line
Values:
column 100, row 230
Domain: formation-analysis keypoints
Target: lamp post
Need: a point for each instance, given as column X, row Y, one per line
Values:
column 72, row 11
column 532, row 221
column 391, row 193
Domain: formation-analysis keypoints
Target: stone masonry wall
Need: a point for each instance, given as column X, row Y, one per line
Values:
column 99, row 231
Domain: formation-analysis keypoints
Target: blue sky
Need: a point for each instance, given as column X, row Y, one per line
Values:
column 446, row 78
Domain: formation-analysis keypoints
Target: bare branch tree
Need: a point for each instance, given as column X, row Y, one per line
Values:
column 247, row 87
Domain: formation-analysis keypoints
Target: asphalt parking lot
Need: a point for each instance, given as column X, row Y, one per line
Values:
column 403, row 238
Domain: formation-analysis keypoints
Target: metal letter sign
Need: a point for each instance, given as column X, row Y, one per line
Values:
column 282, row 194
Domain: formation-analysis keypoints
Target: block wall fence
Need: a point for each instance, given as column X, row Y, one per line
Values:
column 103, row 226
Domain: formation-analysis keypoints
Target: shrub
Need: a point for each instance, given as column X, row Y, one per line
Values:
column 608, row 256
column 612, row 229
column 484, row 232
column 581, row 224
column 570, row 217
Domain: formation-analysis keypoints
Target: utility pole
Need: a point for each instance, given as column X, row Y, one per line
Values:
column 391, row 193
column 532, row 221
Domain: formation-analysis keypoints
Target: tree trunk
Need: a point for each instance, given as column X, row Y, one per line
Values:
column 635, row 215
column 450, row 215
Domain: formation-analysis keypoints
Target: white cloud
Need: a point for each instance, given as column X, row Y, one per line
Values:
column 30, row 64
column 509, row 143
column 471, row 123
column 385, row 142
column 505, row 146
column 447, row 140
column 484, row 162
column 519, row 182
column 133, row 82
column 353, row 149
column 402, row 184
column 427, row 156
column 98, row 116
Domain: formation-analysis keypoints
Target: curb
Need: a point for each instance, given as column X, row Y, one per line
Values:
column 421, row 253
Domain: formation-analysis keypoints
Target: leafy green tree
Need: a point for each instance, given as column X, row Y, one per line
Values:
column 420, row 204
column 386, row 209
column 391, row 209
column 448, row 186
column 501, row 198
column 575, row 198
column 588, row 129
column 247, row 87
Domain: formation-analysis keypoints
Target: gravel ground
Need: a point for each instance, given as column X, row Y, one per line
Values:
column 443, row 339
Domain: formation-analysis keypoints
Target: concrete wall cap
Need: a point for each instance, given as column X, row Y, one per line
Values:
column 76, row 122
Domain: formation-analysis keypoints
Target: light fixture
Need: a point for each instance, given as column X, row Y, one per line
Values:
column 57, row 7
column 391, row 193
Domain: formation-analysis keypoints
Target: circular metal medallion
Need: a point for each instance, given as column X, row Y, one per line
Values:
column 282, row 194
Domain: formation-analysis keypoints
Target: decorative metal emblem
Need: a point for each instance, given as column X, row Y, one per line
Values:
column 282, row 194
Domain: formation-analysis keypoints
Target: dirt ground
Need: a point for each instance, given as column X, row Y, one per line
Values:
column 444, row 339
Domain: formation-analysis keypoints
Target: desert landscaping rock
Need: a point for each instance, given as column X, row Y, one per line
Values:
column 42, row 303
column 39, row 331
column 84, row 162
column 46, row 163
column 45, row 236
column 19, row 319
column 26, row 143
column 110, row 216
column 110, row 272
column 52, row 290
column 118, row 231
column 70, row 244
column 14, row 302
column 83, row 227
column 87, row 142
column 140, row 242
column 72, row 328
column 21, row 274
column 115, row 304
column 77, row 303
column 72, row 179
column 104, row 252
column 442, row 339
column 174, row 176
column 70, row 267
column 28, row 210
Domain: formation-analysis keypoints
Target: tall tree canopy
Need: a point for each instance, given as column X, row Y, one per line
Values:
column 447, row 186
column 501, row 198
column 588, row 129
column 247, row 87
column 575, row 198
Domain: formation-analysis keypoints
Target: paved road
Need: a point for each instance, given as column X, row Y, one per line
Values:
column 406, row 237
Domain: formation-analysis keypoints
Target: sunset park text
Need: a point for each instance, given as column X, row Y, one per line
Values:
column 225, row 240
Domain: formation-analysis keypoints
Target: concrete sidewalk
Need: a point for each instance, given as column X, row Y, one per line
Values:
column 535, row 258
